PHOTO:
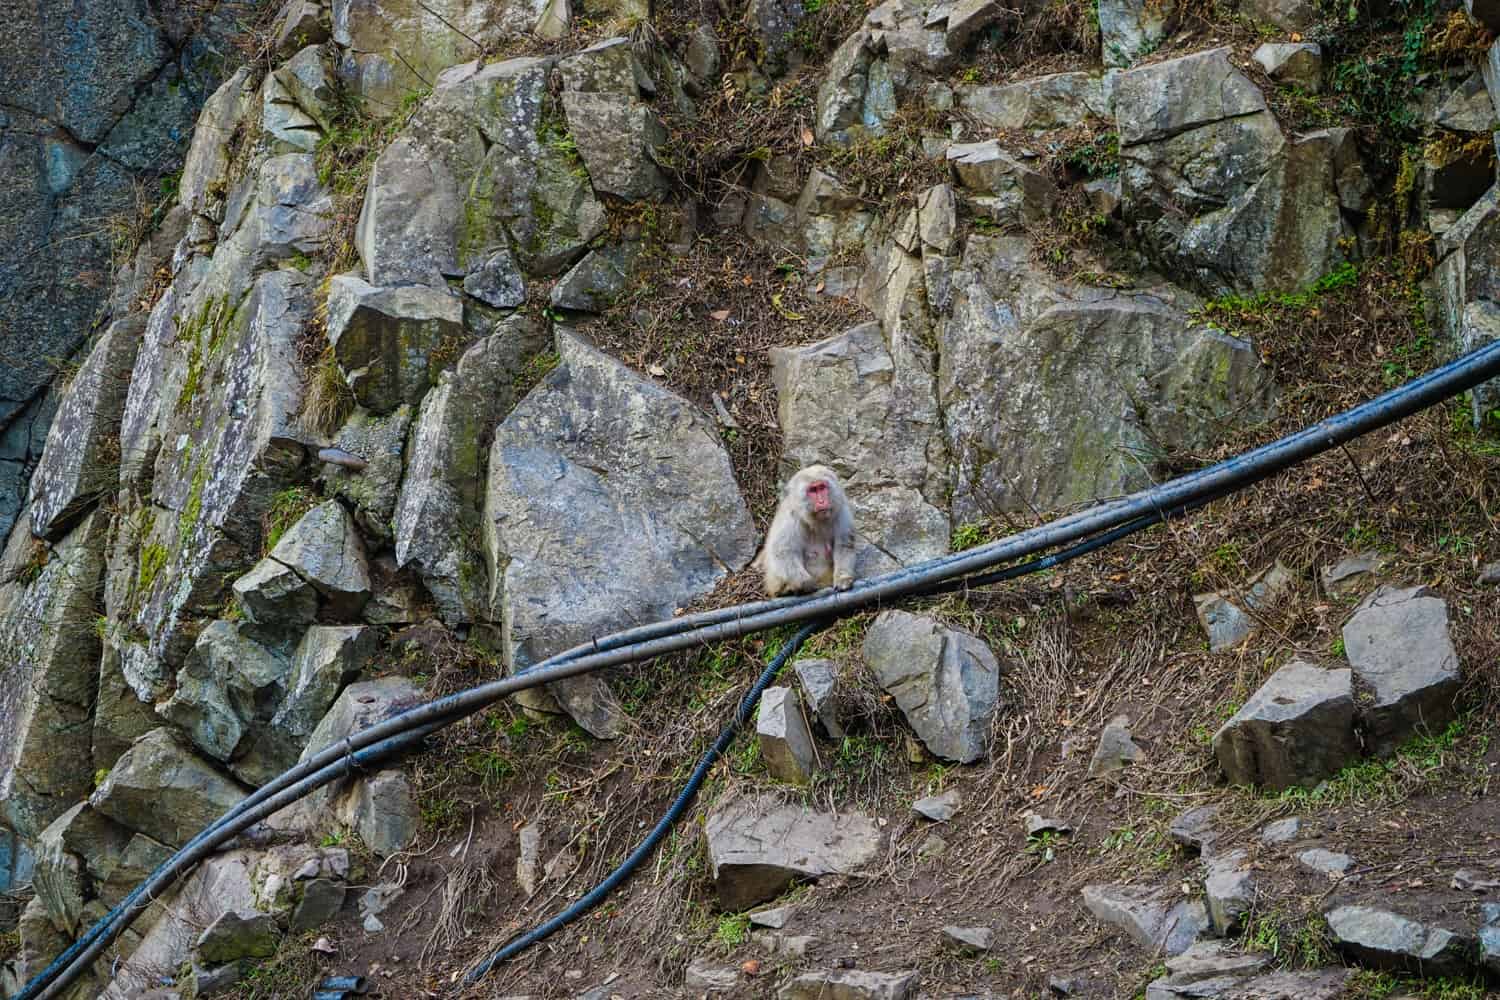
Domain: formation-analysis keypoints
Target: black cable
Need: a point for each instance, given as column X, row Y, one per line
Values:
column 410, row 726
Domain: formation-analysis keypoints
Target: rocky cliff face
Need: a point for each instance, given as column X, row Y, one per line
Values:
column 365, row 371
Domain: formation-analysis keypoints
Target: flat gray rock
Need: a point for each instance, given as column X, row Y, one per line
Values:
column 851, row 984
column 1146, row 917
column 1281, row 831
column 706, row 974
column 1351, row 571
column 757, row 848
column 946, row 681
column 1226, row 622
column 939, row 808
column 1297, row 729
column 972, row 940
column 1325, row 862
column 1384, row 940
column 1194, row 829
column 1398, row 645
column 1116, row 749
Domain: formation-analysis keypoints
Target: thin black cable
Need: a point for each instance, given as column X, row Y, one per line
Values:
column 1233, row 474
column 658, row 833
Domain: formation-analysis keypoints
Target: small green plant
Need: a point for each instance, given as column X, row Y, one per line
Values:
column 732, row 930
column 490, row 766
column 968, row 535
column 100, row 775
column 1336, row 648
column 335, row 838
column 1099, row 156
column 1044, row 844
column 287, row 508
column 153, row 561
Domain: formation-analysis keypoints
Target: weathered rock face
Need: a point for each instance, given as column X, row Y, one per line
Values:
column 48, row 604
column 758, row 848
column 1296, row 730
column 1397, row 642
column 888, row 449
column 386, row 339
column 946, row 681
column 574, row 553
column 438, row 516
column 1053, row 393
column 82, row 459
column 1222, row 198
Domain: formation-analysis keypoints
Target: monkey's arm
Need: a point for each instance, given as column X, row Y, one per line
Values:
column 843, row 557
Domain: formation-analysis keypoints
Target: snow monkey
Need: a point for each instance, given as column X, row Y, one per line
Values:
column 811, row 542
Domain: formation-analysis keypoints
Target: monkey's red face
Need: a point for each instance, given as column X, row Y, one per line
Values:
column 819, row 498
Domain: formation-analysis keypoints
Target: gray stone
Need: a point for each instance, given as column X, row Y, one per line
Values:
column 857, row 95
column 71, row 855
column 851, row 984
column 1281, row 831
column 529, row 858
column 1016, row 194
column 1060, row 100
column 308, row 79
column 939, row 808
column 407, row 227
column 272, row 593
column 1326, row 862
column 819, row 681
column 227, row 690
column 1211, row 960
column 1103, row 194
column 973, row 940
column 1489, row 576
column 1398, row 645
column 773, row 24
column 1384, row 940
column 388, row 340
column 783, row 945
column 1229, row 891
column 932, row 846
column 1036, row 824
column 1116, row 749
column 887, row 460
column 1297, row 729
column 1299, row 64
column 1146, row 917
column 617, row 139
column 371, row 490
column 162, row 789
column 438, row 521
column 757, row 848
column 321, row 901
column 1129, row 29
column 299, row 23
column 938, row 218
column 1194, row 829
column 702, row 55
column 234, row 936
column 596, row 280
column 705, row 974
column 775, row 918
column 498, row 281
column 383, row 810
column 1351, row 571
column 586, row 526
column 206, row 982
column 324, row 548
column 1227, row 617
column 1288, row 15
column 50, row 683
column 785, row 743
column 968, row 18
column 80, row 462
column 1168, row 98
column 945, row 680
column 286, row 126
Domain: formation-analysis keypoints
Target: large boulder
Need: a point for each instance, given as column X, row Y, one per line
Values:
column 888, row 447
column 164, row 790
column 72, row 855
column 1218, row 194
column 758, row 848
column 1058, row 101
column 1297, row 729
column 81, row 462
column 1054, row 392
column 946, row 681
column 1398, row 645
column 610, row 503
column 857, row 94
column 324, row 548
column 1381, row 939
column 226, row 690
column 437, row 520
column 48, row 605
column 617, row 138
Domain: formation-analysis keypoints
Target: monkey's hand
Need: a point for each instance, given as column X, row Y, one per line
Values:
column 843, row 582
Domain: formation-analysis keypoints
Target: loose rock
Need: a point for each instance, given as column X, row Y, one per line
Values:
column 757, row 848
column 1282, row 831
column 1116, row 749
column 1326, row 862
column 1297, row 729
column 972, row 940
column 1229, row 891
column 939, row 808
column 851, row 984
column 1146, row 918
column 785, row 744
column 1297, row 63
column 1398, row 644
column 1194, row 829
column 819, row 680
column 1385, row 940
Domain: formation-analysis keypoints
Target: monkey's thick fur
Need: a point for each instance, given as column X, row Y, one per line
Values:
column 811, row 542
